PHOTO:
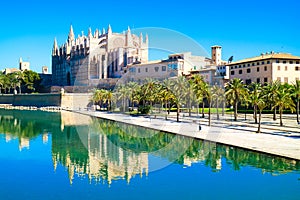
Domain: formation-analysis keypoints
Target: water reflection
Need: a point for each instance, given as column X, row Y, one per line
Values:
column 105, row 150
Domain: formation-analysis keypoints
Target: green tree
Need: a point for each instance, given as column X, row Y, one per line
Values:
column 30, row 80
column 261, row 104
column 254, row 97
column 296, row 95
column 198, row 85
column 235, row 90
column 217, row 97
column 283, row 101
column 271, row 92
column 122, row 93
column 179, row 90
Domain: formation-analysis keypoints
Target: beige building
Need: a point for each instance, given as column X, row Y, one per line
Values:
column 179, row 64
column 267, row 68
column 22, row 67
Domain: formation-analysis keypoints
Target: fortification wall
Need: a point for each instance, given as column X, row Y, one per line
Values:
column 76, row 101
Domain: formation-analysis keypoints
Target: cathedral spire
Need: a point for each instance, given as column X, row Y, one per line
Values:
column 109, row 30
column 147, row 38
column 128, row 30
column 71, row 36
column 90, row 33
column 55, row 48
column 141, row 38
column 103, row 31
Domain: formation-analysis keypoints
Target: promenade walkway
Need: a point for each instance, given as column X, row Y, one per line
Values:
column 282, row 141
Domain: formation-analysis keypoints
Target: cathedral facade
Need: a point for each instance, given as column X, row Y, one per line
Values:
column 86, row 60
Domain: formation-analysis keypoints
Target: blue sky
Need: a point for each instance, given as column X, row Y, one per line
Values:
column 242, row 28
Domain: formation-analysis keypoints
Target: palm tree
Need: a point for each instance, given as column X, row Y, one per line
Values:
column 122, row 93
column 254, row 97
column 261, row 104
column 107, row 96
column 271, row 91
column 166, row 95
column 283, row 100
column 132, row 88
column 217, row 96
column 168, row 85
column 209, row 100
column 180, row 86
column 296, row 94
column 197, row 84
column 2, row 81
column 235, row 90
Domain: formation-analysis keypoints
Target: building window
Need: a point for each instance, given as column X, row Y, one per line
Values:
column 248, row 81
column 277, row 61
column 268, row 62
column 257, row 69
column 297, row 68
column 284, row 62
column 244, row 65
column 163, row 68
column 235, row 66
column 156, row 69
column 133, row 70
column 257, row 63
column 258, row 80
column 278, row 68
column 286, row 79
column 139, row 70
column 262, row 62
column 232, row 72
column 265, row 80
column 248, row 70
column 291, row 62
column 146, row 70
column 279, row 79
column 266, row 68
column 248, row 65
column 253, row 64
column 285, row 68
column 297, row 62
column 240, row 71
column 240, row 66
column 231, row 67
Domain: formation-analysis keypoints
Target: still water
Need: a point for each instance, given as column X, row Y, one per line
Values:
column 69, row 156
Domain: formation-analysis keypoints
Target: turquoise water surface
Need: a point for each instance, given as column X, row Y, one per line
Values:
column 47, row 155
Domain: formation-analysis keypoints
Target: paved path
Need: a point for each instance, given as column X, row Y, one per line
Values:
column 285, row 143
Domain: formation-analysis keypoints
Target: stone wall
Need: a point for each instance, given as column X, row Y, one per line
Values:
column 6, row 99
column 76, row 101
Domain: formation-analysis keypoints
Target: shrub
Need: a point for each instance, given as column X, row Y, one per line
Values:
column 144, row 109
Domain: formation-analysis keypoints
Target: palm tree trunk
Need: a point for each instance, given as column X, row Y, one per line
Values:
column 297, row 110
column 203, row 109
column 280, row 111
column 274, row 114
column 235, row 110
column 259, row 122
column 166, row 104
column 223, row 108
column 218, row 117
column 190, row 108
column 178, row 108
column 124, row 104
column 255, row 114
column 209, row 114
